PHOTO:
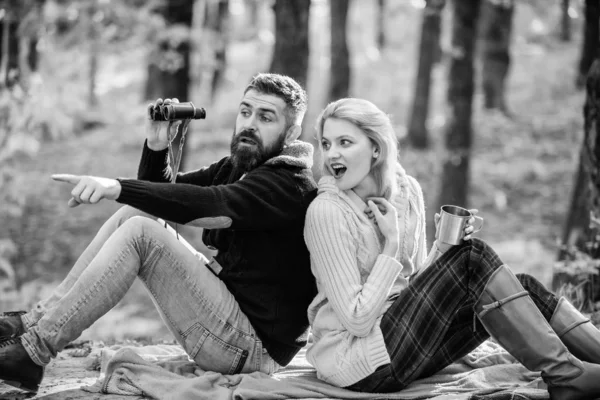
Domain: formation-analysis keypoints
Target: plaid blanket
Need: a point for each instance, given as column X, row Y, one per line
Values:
column 165, row 372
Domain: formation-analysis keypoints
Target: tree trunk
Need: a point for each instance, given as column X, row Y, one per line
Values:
column 253, row 22
column 217, row 16
column 94, row 49
column 591, row 143
column 496, row 33
column 576, row 230
column 339, row 83
column 418, row 135
column 589, row 48
column 18, row 39
column 9, row 58
column 565, row 23
column 169, row 63
column 380, row 24
column 454, row 184
column 583, row 221
column 291, row 51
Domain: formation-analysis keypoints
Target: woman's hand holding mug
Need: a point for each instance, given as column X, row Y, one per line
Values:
column 455, row 224
column 469, row 228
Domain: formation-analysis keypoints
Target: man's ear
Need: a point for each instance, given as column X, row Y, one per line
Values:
column 292, row 133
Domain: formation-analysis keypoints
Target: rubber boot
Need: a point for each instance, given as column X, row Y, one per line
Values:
column 576, row 331
column 511, row 317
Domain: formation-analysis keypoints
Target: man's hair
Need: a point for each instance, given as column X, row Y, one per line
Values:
column 287, row 89
column 377, row 126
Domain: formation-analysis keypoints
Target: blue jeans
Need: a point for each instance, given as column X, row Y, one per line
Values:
column 201, row 313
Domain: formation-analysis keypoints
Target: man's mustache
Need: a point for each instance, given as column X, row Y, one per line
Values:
column 249, row 135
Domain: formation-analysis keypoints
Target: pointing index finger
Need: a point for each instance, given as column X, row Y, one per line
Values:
column 68, row 178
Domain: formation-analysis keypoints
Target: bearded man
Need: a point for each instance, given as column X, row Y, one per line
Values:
column 242, row 311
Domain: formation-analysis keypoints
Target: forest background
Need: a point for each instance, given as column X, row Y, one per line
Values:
column 74, row 101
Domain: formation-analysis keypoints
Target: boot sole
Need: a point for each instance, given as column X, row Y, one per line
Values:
column 20, row 385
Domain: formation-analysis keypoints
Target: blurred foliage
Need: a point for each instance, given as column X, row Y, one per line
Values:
column 49, row 104
column 581, row 268
column 117, row 23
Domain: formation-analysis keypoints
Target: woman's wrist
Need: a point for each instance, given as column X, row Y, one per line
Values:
column 391, row 248
column 442, row 247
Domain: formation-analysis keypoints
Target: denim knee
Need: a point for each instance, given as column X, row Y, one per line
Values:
column 139, row 225
column 126, row 212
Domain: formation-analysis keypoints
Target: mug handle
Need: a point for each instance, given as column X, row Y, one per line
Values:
column 478, row 224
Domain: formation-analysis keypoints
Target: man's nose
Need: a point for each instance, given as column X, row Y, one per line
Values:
column 249, row 124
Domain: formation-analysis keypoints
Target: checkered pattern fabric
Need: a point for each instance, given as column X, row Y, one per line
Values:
column 432, row 322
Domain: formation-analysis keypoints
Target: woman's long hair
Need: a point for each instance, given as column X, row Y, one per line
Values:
column 377, row 126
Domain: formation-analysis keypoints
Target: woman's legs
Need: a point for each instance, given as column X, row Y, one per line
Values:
column 512, row 318
column 434, row 308
column 432, row 323
column 466, row 331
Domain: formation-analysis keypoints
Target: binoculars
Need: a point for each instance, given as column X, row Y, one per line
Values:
column 175, row 111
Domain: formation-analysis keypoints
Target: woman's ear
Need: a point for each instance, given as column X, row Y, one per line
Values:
column 375, row 152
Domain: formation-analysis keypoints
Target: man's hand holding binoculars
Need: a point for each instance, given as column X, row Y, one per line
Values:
column 163, row 113
column 157, row 128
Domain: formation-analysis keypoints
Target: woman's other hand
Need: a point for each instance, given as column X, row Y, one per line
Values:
column 386, row 219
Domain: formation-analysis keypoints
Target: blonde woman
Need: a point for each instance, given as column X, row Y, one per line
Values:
column 381, row 319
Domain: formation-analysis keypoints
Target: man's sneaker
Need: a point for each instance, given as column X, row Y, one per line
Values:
column 17, row 368
column 11, row 324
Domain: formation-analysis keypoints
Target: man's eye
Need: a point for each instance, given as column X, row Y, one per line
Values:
column 245, row 113
column 266, row 119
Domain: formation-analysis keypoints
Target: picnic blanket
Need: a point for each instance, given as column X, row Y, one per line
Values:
column 165, row 372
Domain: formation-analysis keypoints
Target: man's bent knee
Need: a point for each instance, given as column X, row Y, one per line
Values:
column 127, row 212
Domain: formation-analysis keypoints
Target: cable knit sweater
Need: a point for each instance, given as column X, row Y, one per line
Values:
column 356, row 283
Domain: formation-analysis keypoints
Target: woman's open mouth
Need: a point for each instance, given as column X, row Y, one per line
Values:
column 338, row 170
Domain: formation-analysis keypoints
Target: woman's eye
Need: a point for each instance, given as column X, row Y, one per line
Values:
column 325, row 145
column 345, row 142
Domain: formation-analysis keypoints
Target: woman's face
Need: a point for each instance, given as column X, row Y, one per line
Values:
column 347, row 155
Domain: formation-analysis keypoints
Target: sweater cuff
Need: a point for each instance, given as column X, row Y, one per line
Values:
column 386, row 269
column 152, row 163
column 132, row 191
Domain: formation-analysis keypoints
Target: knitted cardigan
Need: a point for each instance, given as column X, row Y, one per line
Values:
column 356, row 283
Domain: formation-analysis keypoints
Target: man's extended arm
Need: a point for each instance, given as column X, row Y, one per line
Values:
column 264, row 199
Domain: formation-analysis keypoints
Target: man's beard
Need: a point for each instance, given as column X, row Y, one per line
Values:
column 245, row 158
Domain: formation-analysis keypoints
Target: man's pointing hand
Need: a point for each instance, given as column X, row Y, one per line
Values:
column 89, row 189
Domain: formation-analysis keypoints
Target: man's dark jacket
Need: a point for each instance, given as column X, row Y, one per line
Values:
column 256, row 224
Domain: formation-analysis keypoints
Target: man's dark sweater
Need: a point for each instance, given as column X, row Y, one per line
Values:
column 256, row 223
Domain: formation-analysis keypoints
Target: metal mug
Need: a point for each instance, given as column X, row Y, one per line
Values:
column 451, row 228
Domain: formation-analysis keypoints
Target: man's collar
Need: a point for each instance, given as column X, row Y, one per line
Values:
column 296, row 154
